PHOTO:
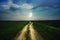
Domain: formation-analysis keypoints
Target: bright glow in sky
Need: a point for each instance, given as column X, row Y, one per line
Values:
column 30, row 15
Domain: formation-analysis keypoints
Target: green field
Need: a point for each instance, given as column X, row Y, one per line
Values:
column 49, row 30
column 9, row 29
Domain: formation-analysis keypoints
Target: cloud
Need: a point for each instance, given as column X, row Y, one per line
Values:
column 26, row 6
column 10, row 4
column 19, row 11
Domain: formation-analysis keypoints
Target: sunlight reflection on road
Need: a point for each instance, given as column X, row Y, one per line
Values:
column 23, row 32
column 32, row 32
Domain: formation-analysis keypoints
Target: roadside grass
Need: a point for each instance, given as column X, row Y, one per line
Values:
column 9, row 29
column 46, row 31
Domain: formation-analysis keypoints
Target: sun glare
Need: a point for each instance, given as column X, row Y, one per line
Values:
column 30, row 14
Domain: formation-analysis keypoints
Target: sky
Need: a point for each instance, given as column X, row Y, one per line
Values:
column 29, row 9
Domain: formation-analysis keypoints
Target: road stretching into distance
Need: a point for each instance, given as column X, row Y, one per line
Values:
column 33, row 34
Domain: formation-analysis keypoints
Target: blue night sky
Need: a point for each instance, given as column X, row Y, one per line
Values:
column 29, row 9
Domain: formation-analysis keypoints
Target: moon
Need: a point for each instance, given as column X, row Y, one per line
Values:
column 30, row 15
